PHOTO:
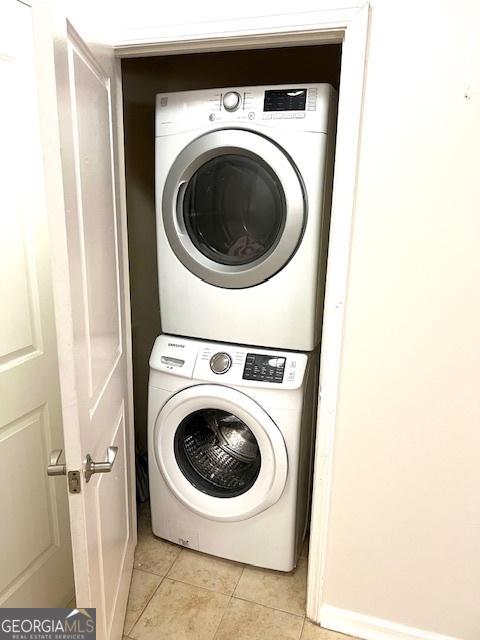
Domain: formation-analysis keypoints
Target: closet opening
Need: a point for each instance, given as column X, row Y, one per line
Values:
column 225, row 432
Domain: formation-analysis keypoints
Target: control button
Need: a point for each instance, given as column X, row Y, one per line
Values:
column 231, row 101
column 220, row 363
column 211, row 117
column 267, row 116
column 299, row 115
column 251, row 115
column 277, row 116
column 309, row 108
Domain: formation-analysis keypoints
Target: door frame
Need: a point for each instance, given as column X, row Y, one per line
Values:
column 337, row 24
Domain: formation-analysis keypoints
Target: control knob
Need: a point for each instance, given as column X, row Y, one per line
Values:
column 231, row 100
column 220, row 362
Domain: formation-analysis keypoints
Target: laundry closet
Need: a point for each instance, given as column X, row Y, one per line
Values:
column 278, row 87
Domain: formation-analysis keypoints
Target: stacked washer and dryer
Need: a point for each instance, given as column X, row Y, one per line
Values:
column 243, row 185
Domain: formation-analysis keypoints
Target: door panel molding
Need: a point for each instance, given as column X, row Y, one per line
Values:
column 27, row 554
column 102, row 510
column 35, row 534
column 99, row 347
column 80, row 83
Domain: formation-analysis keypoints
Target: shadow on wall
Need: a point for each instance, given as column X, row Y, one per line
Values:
column 143, row 78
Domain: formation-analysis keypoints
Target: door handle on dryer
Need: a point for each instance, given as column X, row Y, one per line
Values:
column 178, row 218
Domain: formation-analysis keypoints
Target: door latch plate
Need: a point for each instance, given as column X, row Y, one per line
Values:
column 74, row 485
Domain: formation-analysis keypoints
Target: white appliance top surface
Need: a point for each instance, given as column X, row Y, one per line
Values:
column 247, row 366
column 300, row 107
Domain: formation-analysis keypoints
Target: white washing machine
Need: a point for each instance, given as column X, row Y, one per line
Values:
column 243, row 190
column 230, row 437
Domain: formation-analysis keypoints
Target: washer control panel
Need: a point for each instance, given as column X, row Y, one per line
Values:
column 220, row 362
column 267, row 368
column 225, row 364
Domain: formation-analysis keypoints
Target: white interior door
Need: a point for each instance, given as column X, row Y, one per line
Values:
column 88, row 231
column 36, row 566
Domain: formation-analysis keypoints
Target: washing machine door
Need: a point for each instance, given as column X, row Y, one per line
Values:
column 233, row 208
column 220, row 453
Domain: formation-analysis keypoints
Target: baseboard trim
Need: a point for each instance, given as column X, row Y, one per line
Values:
column 370, row 628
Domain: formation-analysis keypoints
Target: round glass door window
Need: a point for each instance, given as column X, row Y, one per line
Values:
column 217, row 453
column 234, row 209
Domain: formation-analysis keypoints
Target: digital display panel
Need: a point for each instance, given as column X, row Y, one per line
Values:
column 285, row 100
column 264, row 368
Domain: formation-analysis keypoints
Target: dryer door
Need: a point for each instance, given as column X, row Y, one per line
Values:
column 233, row 208
column 220, row 453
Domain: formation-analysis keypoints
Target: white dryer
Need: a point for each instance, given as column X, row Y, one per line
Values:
column 230, row 437
column 243, row 189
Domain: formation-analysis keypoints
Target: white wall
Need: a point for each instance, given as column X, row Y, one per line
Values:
column 404, row 538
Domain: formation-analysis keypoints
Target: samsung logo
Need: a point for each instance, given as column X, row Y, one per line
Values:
column 176, row 344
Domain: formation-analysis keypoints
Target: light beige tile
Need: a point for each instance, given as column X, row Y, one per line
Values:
column 155, row 555
column 142, row 588
column 249, row 621
column 285, row 591
column 206, row 571
column 312, row 631
column 180, row 611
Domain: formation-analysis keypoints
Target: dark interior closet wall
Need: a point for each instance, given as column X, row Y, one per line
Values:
column 143, row 78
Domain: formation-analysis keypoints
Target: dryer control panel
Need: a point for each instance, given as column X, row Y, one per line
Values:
column 228, row 364
column 301, row 107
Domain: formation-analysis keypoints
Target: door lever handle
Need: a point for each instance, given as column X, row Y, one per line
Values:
column 55, row 469
column 92, row 467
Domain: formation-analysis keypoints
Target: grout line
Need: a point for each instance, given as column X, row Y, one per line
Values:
column 197, row 586
column 298, row 615
column 239, row 578
column 221, row 619
column 157, row 575
column 175, row 561
column 303, row 627
column 146, row 604
column 152, row 573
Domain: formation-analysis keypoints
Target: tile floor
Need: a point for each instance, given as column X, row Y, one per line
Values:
column 179, row 594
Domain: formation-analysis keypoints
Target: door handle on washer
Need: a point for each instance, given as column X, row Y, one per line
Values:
column 92, row 467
